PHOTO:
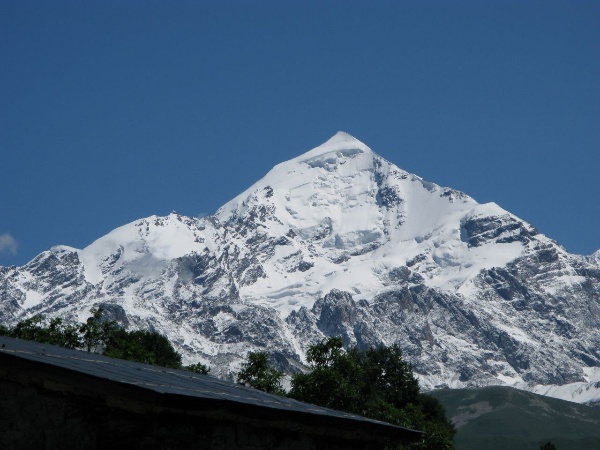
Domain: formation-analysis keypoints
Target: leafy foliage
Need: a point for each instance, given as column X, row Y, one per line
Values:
column 55, row 331
column 257, row 373
column 548, row 446
column 376, row 383
column 96, row 331
column 143, row 346
column 197, row 368
column 99, row 335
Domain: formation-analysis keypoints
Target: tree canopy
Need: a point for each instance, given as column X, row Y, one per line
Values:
column 376, row 383
column 143, row 346
column 257, row 373
column 54, row 331
column 99, row 335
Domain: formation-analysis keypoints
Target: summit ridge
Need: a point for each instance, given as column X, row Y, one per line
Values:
column 341, row 141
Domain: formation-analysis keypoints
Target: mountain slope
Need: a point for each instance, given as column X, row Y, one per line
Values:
column 497, row 418
column 339, row 241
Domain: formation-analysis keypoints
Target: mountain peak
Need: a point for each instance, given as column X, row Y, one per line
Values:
column 342, row 155
column 342, row 136
column 341, row 242
column 341, row 142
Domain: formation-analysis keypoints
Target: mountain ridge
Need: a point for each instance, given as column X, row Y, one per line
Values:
column 339, row 241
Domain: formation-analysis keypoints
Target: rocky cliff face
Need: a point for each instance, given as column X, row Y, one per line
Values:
column 339, row 241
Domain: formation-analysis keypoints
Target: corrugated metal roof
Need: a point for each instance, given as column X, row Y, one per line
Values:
column 165, row 381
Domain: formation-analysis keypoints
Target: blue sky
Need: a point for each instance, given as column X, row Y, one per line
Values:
column 115, row 110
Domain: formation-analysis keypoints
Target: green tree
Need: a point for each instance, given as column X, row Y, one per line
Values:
column 55, row 332
column 334, row 380
column 197, row 368
column 149, row 347
column 548, row 446
column 257, row 373
column 63, row 334
column 97, row 331
column 104, row 336
column 376, row 383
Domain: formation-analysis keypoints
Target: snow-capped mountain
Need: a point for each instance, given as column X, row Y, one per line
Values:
column 339, row 241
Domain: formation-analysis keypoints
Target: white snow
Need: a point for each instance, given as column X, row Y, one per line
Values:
column 145, row 245
column 348, row 220
column 32, row 298
column 329, row 195
column 572, row 392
